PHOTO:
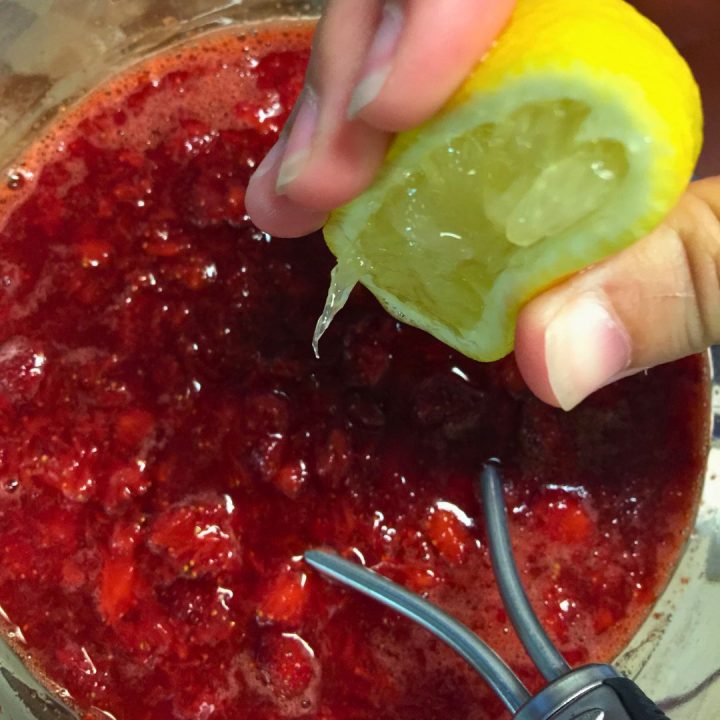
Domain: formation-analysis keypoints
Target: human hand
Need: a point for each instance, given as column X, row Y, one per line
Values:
column 382, row 67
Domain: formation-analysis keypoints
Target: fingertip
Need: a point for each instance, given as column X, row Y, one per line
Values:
column 530, row 354
column 276, row 214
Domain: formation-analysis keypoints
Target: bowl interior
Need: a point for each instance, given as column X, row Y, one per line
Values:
column 676, row 655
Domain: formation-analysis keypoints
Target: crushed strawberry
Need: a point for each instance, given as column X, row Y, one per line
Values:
column 133, row 425
column 68, row 470
column 286, row 663
column 117, row 588
column 291, row 478
column 196, row 538
column 366, row 355
column 93, row 253
column 146, row 634
column 603, row 619
column 448, row 535
column 82, row 669
column 333, row 458
column 286, row 598
column 565, row 518
column 124, row 485
column 56, row 528
column 126, row 534
column 73, row 575
column 421, row 579
column 202, row 613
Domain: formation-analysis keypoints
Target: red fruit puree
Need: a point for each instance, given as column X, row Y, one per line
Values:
column 169, row 445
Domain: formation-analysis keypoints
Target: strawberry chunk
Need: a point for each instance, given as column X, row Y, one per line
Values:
column 448, row 535
column 286, row 599
column 196, row 539
column 69, row 470
column 124, row 485
column 565, row 518
column 334, row 458
column 133, row 426
column 117, row 588
column 421, row 579
column 291, row 478
column 125, row 537
column 201, row 613
column 146, row 633
column 286, row 663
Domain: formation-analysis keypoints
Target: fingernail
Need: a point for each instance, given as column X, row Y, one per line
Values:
column 271, row 159
column 586, row 348
column 379, row 58
column 299, row 142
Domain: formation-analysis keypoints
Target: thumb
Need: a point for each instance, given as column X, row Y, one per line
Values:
column 657, row 301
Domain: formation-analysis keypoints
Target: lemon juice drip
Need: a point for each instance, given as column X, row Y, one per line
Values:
column 343, row 279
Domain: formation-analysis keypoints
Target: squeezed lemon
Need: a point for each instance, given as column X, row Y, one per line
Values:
column 572, row 139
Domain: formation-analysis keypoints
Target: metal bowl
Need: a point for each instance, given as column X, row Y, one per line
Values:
column 675, row 656
column 53, row 51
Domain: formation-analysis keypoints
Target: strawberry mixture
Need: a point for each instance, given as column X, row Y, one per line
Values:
column 169, row 445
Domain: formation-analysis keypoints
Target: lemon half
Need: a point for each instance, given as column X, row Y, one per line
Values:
column 572, row 139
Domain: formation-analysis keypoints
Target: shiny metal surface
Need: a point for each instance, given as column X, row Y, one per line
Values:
column 53, row 51
column 575, row 694
column 675, row 658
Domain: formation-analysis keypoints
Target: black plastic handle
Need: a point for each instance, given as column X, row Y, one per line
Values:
column 636, row 703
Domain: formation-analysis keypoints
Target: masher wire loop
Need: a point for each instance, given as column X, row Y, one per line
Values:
column 459, row 637
column 591, row 692
column 543, row 653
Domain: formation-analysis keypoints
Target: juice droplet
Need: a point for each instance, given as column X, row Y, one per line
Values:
column 343, row 279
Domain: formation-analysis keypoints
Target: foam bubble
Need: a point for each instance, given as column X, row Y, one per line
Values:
column 222, row 83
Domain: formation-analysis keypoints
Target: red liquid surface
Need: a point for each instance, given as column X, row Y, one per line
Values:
column 169, row 446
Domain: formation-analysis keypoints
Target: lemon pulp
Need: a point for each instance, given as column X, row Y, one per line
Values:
column 439, row 220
